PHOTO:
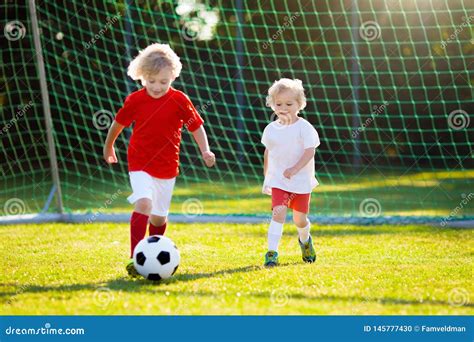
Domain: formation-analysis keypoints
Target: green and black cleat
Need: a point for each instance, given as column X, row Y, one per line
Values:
column 308, row 252
column 271, row 259
column 131, row 270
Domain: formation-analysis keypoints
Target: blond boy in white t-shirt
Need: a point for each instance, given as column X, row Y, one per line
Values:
column 290, row 144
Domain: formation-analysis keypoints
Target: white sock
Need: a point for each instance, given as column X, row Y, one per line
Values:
column 304, row 233
column 275, row 232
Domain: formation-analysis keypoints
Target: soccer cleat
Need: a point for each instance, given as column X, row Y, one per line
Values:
column 271, row 259
column 132, row 271
column 307, row 250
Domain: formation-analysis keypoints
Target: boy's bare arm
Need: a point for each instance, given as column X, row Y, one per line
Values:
column 109, row 151
column 200, row 137
column 308, row 154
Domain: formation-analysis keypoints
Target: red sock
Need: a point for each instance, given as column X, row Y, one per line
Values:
column 154, row 230
column 138, row 224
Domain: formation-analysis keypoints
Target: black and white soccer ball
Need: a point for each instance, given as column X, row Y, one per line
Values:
column 156, row 257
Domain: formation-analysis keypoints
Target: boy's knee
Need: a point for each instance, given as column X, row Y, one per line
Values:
column 143, row 206
column 279, row 214
column 158, row 221
column 301, row 222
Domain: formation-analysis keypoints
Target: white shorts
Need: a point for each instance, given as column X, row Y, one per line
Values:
column 158, row 190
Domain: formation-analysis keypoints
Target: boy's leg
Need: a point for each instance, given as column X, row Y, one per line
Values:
column 305, row 241
column 141, row 183
column 139, row 222
column 161, row 194
column 280, row 200
column 157, row 225
column 302, row 224
column 275, row 230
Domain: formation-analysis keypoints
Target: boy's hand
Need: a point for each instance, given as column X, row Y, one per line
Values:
column 109, row 155
column 290, row 172
column 209, row 158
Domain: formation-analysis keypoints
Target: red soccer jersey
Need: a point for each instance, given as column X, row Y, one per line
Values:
column 156, row 137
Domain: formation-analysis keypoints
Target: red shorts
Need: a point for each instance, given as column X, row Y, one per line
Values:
column 298, row 202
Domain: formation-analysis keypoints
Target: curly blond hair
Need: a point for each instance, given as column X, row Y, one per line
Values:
column 287, row 84
column 152, row 60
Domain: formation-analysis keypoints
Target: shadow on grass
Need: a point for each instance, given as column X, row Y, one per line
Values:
column 125, row 283
column 361, row 300
column 134, row 284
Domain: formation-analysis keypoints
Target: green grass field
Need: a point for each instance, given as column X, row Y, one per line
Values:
column 79, row 269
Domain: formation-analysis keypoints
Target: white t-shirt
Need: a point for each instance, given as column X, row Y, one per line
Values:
column 286, row 145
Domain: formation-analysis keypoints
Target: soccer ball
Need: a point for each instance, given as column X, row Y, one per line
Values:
column 156, row 257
